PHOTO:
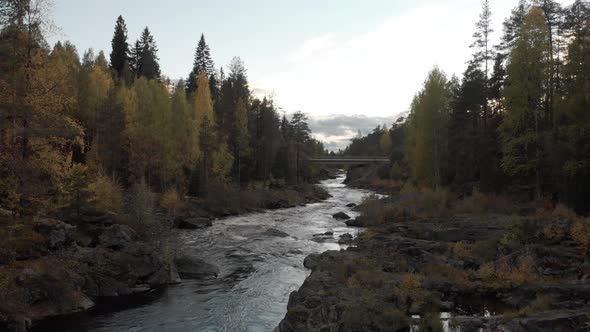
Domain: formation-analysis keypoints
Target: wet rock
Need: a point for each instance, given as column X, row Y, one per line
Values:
column 93, row 216
column 58, row 233
column 341, row 216
column 192, row 223
column 295, row 252
column 557, row 320
column 7, row 256
column 357, row 222
column 323, row 237
column 350, row 205
column 275, row 233
column 311, row 261
column 345, row 239
column 117, row 237
column 278, row 204
column 191, row 267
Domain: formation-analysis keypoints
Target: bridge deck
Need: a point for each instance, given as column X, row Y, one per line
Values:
column 348, row 161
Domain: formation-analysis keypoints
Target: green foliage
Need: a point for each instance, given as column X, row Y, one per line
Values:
column 426, row 144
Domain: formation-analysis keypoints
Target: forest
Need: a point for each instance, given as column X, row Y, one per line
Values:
column 518, row 120
column 84, row 129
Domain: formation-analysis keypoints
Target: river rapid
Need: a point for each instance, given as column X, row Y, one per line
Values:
column 257, row 272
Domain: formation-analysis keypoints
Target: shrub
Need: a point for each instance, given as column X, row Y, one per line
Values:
column 461, row 250
column 171, row 201
column 139, row 212
column 431, row 322
column 486, row 249
column 370, row 277
column 504, row 275
column 409, row 291
column 107, row 194
column 376, row 211
column 541, row 303
column 435, row 203
column 580, row 232
column 455, row 275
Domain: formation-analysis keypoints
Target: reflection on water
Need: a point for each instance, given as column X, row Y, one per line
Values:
column 257, row 272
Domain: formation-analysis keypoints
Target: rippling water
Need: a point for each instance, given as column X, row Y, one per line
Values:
column 258, row 272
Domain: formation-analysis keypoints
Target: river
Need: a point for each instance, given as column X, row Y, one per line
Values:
column 257, row 272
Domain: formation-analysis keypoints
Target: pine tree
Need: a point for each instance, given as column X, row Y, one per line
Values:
column 202, row 63
column 482, row 44
column 120, row 52
column 513, row 25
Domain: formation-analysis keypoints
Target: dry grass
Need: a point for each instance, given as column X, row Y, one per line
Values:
column 386, row 185
column 479, row 203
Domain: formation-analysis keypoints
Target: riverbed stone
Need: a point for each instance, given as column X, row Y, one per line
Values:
column 192, row 223
column 341, row 216
column 192, row 267
column 275, row 232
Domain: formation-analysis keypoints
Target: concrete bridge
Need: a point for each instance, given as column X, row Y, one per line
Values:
column 348, row 160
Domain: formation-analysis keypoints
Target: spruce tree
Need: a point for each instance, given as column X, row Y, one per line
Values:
column 202, row 63
column 147, row 61
column 120, row 52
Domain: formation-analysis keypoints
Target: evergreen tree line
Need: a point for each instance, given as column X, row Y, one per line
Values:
column 66, row 120
column 517, row 122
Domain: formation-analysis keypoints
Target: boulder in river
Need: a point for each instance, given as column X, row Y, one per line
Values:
column 193, row 223
column 341, row 216
column 275, row 232
column 357, row 222
column 350, row 205
column 278, row 204
column 191, row 267
column 323, row 237
column 345, row 239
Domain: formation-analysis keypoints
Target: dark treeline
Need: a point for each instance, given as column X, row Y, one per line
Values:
column 517, row 122
column 115, row 122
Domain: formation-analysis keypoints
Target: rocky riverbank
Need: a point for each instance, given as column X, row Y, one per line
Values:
column 51, row 267
column 430, row 261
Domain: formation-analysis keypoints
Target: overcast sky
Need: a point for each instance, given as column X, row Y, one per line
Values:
column 329, row 57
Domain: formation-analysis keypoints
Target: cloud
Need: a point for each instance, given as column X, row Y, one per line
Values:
column 377, row 72
column 336, row 131
column 311, row 47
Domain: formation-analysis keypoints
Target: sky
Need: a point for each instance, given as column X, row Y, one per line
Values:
column 332, row 59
